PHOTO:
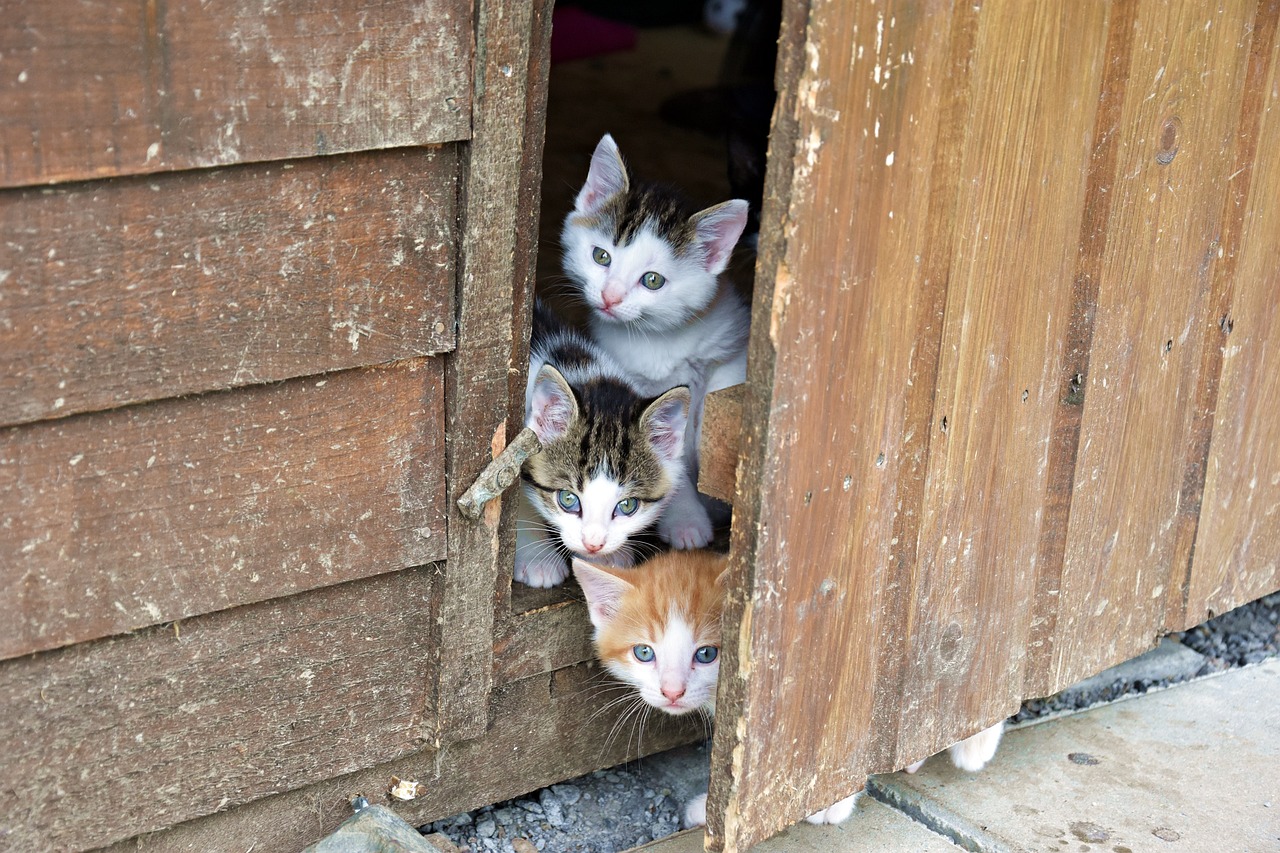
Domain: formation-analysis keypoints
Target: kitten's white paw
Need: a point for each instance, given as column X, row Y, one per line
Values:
column 686, row 530
column 544, row 570
column 912, row 768
column 695, row 812
column 972, row 754
column 836, row 812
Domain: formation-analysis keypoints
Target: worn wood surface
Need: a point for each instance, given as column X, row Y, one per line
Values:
column 500, row 182
column 545, row 729
column 718, row 449
column 142, row 288
column 989, row 260
column 122, row 519
column 110, row 739
column 95, row 89
column 1237, row 545
column 1139, row 386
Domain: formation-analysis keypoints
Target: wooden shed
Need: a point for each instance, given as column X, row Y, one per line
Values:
column 265, row 275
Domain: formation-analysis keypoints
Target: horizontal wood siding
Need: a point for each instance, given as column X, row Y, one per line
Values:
column 136, row 87
column 543, row 729
column 115, row 292
column 109, row 739
column 117, row 520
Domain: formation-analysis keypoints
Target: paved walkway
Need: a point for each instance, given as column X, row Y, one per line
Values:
column 1191, row 769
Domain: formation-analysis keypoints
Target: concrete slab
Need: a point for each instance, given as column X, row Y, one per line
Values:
column 873, row 827
column 1192, row 768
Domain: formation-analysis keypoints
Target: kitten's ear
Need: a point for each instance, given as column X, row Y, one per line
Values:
column 722, row 579
column 606, row 178
column 663, row 422
column 604, row 591
column 718, row 229
column 553, row 406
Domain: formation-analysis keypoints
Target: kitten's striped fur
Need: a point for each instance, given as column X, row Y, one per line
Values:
column 602, row 442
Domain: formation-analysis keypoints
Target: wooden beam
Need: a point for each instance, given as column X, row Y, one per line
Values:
column 721, row 434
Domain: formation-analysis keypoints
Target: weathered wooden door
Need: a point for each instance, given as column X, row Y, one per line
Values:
column 1010, row 413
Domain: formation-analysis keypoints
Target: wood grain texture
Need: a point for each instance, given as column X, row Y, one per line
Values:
column 498, row 249
column 132, row 734
column 143, row 288
column 545, row 729
column 824, row 446
column 118, row 520
column 95, row 89
column 718, row 450
column 1237, row 544
column 1139, row 390
column 977, row 217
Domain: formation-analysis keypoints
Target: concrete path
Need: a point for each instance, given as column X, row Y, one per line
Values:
column 1191, row 769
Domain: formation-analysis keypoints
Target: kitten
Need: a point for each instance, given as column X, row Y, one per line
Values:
column 657, row 628
column 610, row 457
column 649, row 270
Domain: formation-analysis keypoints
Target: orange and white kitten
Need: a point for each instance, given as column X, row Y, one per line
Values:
column 657, row 628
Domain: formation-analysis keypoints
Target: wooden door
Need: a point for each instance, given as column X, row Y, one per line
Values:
column 1010, row 408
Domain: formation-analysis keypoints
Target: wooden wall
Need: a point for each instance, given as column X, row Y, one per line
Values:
column 1013, row 360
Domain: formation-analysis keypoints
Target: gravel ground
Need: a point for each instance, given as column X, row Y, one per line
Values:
column 614, row 810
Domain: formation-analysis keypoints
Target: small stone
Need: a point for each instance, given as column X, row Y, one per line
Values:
column 530, row 806
column 1165, row 834
column 1082, row 758
column 505, row 816
column 568, row 794
column 463, row 819
column 486, row 828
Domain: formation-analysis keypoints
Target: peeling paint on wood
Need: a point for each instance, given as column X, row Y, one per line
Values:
column 146, row 87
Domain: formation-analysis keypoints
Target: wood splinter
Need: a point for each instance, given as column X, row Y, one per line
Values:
column 500, row 474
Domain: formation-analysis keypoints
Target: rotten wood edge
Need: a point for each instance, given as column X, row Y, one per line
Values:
column 757, row 400
column 500, row 183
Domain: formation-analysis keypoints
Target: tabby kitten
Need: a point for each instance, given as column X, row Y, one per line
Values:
column 648, row 267
column 609, row 460
column 657, row 628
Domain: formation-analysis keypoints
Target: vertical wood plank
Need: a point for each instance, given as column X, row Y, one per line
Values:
column 844, row 306
column 1237, row 543
column 500, row 186
column 1034, row 85
column 1139, row 388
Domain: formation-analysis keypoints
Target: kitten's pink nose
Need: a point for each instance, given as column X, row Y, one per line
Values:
column 592, row 547
column 673, row 693
column 608, row 300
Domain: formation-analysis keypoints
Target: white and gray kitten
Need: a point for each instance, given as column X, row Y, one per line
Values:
column 648, row 267
column 610, row 456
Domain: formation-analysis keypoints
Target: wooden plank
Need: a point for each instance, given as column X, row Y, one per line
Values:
column 94, row 89
column 541, row 641
column 1237, row 545
column 484, row 377
column 838, row 314
column 145, row 515
column 545, row 729
column 718, row 449
column 136, row 733
column 143, row 288
column 1139, row 387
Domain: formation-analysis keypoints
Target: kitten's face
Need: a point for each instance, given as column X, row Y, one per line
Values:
column 657, row 627
column 608, row 460
column 638, row 254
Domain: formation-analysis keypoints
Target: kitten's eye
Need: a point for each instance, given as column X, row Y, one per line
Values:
column 652, row 280
column 706, row 654
column 600, row 256
column 643, row 653
column 568, row 501
column 627, row 506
